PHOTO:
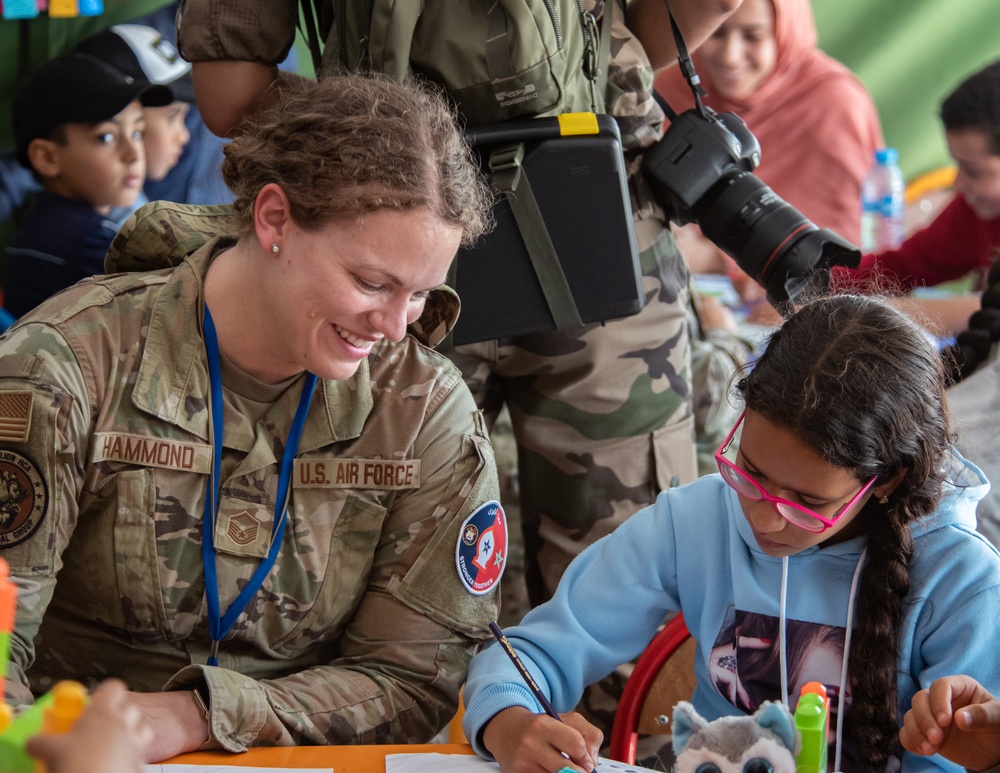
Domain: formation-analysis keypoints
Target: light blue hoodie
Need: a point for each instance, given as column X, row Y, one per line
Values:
column 693, row 552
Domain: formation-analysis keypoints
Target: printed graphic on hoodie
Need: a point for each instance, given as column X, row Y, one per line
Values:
column 745, row 662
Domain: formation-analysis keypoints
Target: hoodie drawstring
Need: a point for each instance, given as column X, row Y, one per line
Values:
column 782, row 655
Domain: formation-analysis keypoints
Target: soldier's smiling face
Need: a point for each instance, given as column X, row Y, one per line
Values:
column 347, row 285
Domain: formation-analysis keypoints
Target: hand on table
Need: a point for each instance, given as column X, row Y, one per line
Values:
column 750, row 292
column 956, row 718
column 525, row 742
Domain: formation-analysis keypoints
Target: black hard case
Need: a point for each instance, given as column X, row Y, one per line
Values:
column 580, row 185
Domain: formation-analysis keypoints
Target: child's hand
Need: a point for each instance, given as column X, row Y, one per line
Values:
column 525, row 742
column 108, row 736
column 956, row 718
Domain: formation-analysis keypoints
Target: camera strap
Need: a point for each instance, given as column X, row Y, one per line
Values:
column 510, row 179
column 687, row 68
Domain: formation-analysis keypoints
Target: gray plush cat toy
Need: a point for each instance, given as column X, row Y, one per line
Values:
column 766, row 742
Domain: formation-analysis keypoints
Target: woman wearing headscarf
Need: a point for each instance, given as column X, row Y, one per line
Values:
column 817, row 125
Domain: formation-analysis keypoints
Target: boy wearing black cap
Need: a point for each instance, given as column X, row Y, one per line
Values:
column 143, row 53
column 78, row 125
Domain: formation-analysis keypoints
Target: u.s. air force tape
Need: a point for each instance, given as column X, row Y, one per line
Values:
column 357, row 473
column 313, row 472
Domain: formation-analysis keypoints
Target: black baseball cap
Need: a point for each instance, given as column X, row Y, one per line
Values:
column 76, row 88
column 142, row 52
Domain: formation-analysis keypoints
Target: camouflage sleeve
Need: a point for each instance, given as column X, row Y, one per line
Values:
column 629, row 98
column 244, row 30
column 403, row 657
column 629, row 94
column 44, row 415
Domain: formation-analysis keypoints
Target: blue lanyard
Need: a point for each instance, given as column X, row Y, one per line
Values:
column 219, row 626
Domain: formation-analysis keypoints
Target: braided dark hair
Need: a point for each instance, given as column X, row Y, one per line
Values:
column 858, row 381
column 974, row 105
column 972, row 346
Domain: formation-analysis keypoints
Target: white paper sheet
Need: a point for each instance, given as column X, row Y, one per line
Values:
column 468, row 763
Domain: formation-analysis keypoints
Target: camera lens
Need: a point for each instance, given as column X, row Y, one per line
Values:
column 773, row 242
column 700, row 172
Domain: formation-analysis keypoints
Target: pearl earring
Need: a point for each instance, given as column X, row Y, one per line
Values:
column 884, row 499
column 275, row 248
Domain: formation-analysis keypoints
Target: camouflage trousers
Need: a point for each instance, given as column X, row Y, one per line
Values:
column 601, row 414
column 602, row 417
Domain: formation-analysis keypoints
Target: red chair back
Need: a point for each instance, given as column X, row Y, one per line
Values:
column 625, row 730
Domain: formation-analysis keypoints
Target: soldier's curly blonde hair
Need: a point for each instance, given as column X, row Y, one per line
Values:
column 353, row 144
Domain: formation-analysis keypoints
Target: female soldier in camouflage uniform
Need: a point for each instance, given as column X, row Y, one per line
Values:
column 259, row 566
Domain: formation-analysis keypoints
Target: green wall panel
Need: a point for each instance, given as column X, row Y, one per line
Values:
column 911, row 54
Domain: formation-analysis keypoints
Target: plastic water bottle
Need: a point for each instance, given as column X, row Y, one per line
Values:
column 882, row 203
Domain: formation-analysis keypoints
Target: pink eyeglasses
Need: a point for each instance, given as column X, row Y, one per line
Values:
column 797, row 515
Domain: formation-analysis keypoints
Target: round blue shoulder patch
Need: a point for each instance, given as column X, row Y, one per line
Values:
column 481, row 552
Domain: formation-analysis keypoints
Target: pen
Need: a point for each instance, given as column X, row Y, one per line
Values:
column 526, row 676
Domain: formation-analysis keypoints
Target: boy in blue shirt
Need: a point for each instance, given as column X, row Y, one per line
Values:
column 78, row 125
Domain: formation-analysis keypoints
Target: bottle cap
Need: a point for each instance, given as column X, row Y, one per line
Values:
column 887, row 155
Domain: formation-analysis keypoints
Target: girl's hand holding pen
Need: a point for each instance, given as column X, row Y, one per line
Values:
column 525, row 742
column 570, row 741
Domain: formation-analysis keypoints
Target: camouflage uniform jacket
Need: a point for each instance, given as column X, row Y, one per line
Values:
column 264, row 31
column 362, row 631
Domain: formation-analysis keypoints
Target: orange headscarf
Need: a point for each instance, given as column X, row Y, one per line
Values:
column 816, row 123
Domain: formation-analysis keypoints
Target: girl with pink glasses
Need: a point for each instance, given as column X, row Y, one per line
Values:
column 837, row 545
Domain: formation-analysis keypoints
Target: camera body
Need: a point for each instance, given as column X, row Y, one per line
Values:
column 701, row 171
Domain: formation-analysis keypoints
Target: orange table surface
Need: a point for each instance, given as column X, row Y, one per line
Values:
column 343, row 759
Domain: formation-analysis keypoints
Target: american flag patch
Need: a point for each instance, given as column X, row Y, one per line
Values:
column 15, row 416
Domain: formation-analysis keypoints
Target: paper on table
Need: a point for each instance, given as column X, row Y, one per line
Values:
column 228, row 769
column 467, row 763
